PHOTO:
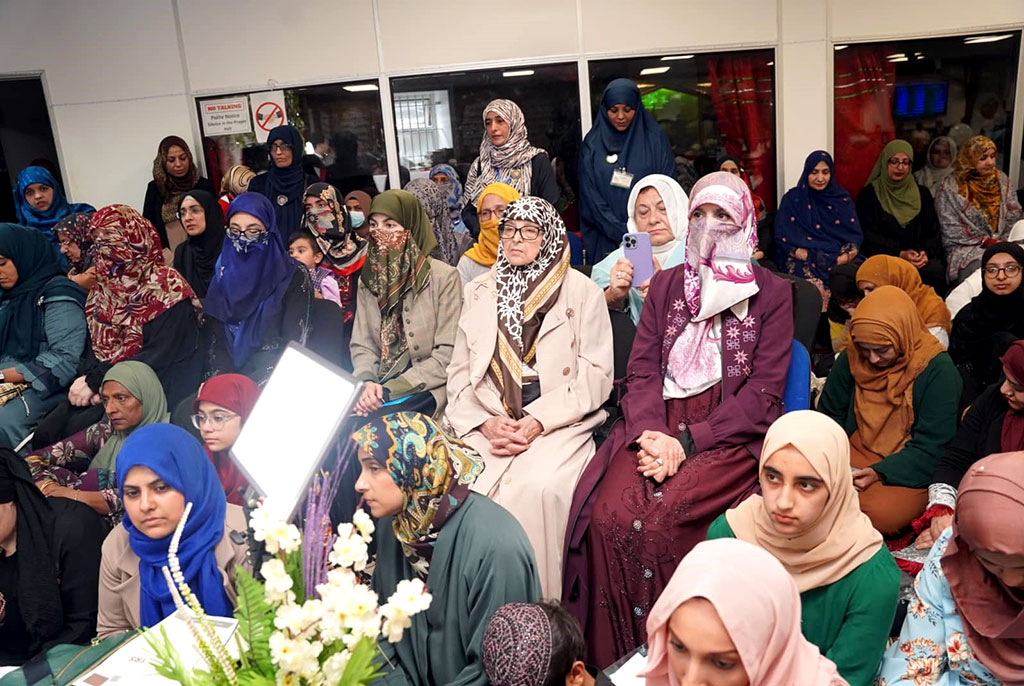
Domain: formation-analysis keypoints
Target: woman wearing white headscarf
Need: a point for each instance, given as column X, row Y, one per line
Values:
column 657, row 206
column 506, row 156
column 938, row 163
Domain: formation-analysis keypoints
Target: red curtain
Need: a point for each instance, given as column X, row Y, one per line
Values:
column 742, row 94
column 863, row 113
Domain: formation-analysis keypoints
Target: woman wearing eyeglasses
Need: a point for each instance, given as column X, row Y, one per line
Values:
column 898, row 216
column 407, row 310
column 284, row 183
column 259, row 298
column 174, row 172
column 976, row 206
column 532, row 324
column 986, row 326
column 196, row 256
column 490, row 207
column 219, row 411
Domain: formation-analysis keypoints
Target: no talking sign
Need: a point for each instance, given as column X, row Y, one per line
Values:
column 268, row 111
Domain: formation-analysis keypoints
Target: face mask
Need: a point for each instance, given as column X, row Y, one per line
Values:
column 357, row 218
column 389, row 240
column 491, row 225
column 321, row 221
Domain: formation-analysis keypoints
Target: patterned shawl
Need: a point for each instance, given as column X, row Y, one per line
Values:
column 171, row 187
column 434, row 202
column 76, row 228
column 525, row 294
column 343, row 250
column 434, row 471
column 397, row 263
column 452, row 187
column 133, row 285
column 509, row 163
column 981, row 191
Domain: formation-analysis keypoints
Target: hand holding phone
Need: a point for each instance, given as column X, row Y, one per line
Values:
column 636, row 247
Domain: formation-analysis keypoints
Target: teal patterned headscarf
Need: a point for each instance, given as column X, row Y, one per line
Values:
column 433, row 470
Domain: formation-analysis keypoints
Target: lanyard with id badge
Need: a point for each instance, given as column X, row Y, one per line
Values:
column 620, row 177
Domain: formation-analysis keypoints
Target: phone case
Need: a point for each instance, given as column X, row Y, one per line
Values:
column 636, row 247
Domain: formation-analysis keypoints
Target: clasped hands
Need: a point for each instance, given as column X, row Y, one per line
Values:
column 660, row 455
column 510, row 437
column 80, row 395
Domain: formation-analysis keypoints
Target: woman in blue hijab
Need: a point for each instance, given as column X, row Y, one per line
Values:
column 816, row 227
column 259, row 295
column 285, row 182
column 160, row 469
column 625, row 145
column 40, row 203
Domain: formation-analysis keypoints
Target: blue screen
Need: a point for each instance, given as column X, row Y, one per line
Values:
column 913, row 100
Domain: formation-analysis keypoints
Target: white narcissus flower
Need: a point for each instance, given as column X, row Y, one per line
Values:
column 281, row 537
column 288, row 679
column 349, row 551
column 334, row 666
column 299, row 620
column 277, row 582
column 396, row 621
column 295, row 655
column 364, row 523
column 411, row 596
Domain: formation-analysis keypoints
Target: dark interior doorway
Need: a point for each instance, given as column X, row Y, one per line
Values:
column 26, row 136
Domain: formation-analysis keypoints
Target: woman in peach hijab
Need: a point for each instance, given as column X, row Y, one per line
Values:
column 730, row 616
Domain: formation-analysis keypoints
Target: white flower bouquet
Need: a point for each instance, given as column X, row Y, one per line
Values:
column 311, row 622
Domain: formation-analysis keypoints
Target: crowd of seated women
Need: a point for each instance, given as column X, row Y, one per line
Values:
column 565, row 510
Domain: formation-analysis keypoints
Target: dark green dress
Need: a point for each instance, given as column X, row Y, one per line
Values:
column 481, row 560
column 848, row 620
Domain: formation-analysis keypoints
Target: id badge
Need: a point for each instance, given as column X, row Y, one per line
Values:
column 622, row 178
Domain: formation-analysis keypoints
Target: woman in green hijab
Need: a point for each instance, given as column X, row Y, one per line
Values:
column 82, row 466
column 407, row 312
column 898, row 216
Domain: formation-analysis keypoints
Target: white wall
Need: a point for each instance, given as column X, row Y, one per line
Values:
column 121, row 74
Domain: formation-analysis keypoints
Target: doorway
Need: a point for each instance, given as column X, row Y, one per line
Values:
column 26, row 136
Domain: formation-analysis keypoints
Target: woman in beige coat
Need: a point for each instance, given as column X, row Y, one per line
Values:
column 407, row 310
column 531, row 368
column 159, row 469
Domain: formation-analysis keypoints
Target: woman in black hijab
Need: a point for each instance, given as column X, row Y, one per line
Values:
column 49, row 566
column 991, row 322
column 285, row 182
column 203, row 221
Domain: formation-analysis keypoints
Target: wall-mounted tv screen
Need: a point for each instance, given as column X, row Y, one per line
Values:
column 914, row 100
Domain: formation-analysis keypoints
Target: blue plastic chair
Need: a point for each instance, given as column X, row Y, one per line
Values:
column 797, row 395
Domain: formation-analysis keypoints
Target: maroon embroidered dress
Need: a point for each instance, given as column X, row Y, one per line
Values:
column 627, row 533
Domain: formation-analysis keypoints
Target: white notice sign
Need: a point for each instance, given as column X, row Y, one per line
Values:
column 267, row 112
column 226, row 116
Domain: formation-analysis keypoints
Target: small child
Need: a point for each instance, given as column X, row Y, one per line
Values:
column 304, row 249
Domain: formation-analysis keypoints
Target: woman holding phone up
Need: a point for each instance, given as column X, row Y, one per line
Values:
column 658, row 207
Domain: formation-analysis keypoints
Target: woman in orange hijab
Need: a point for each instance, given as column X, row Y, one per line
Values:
column 896, row 393
column 885, row 270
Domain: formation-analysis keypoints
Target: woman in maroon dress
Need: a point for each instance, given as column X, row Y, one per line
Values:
column 704, row 382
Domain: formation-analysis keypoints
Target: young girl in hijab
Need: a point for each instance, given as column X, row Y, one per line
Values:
column 74, row 237
column 808, row 517
column 40, row 203
column 705, row 380
column 506, row 156
column 993, row 319
column 490, row 208
column 658, row 207
column 196, row 257
column 994, row 423
column 898, row 216
column 723, row 629
column 42, row 329
column 408, row 311
column 283, row 184
column 434, row 202
column 220, row 410
column 159, row 470
column 816, row 227
column 81, row 466
column 531, row 324
column 330, row 223
column 472, row 555
column 49, row 567
column 259, row 298
column 885, row 270
column 976, row 205
column 625, row 145
column 938, row 164
column 895, row 392
column 234, row 182
column 448, row 179
column 963, row 625
column 139, row 309
column 174, row 172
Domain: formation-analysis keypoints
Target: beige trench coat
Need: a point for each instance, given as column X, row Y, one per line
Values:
column 574, row 363
column 430, row 318
column 119, row 575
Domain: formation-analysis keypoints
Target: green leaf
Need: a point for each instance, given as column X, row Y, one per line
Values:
column 361, row 668
column 168, row 662
column 255, row 621
column 293, row 565
column 250, row 677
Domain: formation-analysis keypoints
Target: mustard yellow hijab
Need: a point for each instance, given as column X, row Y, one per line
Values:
column 485, row 250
